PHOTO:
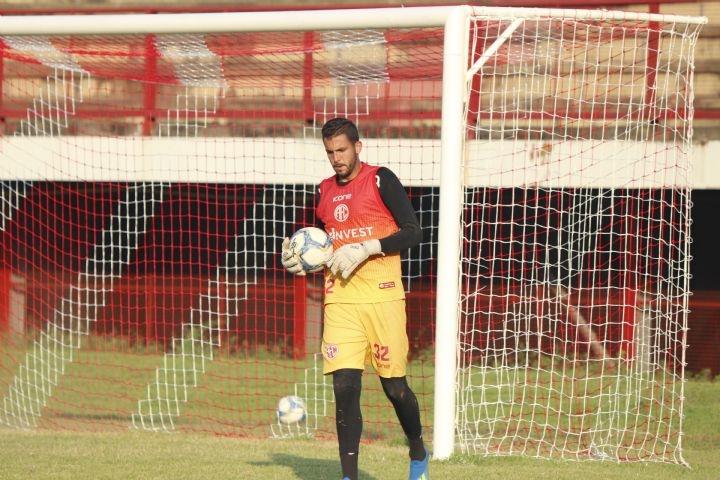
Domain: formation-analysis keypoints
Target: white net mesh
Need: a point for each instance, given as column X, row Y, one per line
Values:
column 148, row 182
column 575, row 238
column 146, row 191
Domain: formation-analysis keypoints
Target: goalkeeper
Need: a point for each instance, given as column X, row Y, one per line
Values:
column 367, row 213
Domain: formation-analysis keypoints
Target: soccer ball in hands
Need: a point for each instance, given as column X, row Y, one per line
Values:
column 291, row 409
column 313, row 247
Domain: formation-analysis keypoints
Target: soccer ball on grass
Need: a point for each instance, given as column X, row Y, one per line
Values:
column 291, row 409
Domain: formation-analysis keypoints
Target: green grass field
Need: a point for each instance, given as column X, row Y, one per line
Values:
column 223, row 429
column 127, row 455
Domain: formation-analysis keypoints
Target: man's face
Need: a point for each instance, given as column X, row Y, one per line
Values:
column 344, row 156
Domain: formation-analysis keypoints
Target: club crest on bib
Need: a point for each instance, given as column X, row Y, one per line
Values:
column 341, row 213
column 331, row 350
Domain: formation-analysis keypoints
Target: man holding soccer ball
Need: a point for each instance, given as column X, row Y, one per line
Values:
column 367, row 213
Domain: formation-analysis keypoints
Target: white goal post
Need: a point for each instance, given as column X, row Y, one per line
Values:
column 562, row 233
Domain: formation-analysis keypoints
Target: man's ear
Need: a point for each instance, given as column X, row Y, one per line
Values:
column 358, row 146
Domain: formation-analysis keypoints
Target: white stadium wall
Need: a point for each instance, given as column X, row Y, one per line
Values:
column 259, row 160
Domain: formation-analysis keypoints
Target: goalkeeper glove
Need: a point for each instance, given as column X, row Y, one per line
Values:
column 289, row 260
column 348, row 257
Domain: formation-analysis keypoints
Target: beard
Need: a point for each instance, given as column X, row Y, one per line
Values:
column 351, row 168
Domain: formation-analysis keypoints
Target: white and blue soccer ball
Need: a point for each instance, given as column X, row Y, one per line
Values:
column 291, row 409
column 313, row 247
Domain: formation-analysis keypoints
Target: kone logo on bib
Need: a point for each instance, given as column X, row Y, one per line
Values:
column 341, row 212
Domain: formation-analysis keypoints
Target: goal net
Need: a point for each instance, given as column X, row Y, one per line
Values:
column 148, row 178
column 575, row 232
column 148, row 182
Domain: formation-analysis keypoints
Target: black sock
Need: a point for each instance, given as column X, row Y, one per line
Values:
column 347, row 385
column 408, row 412
column 349, row 464
column 417, row 448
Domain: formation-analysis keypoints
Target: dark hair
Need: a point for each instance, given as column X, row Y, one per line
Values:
column 338, row 126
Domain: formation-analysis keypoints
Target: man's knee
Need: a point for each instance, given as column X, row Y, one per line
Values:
column 347, row 383
column 396, row 389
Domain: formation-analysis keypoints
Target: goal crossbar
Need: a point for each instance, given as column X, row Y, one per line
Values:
column 116, row 24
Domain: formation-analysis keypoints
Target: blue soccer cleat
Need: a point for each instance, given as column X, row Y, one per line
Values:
column 419, row 469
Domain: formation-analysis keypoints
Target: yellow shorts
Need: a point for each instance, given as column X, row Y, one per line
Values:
column 357, row 334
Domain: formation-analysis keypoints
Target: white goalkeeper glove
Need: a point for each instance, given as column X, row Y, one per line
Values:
column 289, row 260
column 348, row 257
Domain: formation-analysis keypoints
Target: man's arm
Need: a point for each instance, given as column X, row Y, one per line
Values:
column 396, row 200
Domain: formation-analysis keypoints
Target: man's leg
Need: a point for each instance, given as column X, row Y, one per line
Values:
column 406, row 406
column 345, row 348
column 347, row 385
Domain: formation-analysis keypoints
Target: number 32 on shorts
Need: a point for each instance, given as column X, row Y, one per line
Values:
column 381, row 352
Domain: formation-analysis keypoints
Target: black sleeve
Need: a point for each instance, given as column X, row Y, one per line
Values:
column 318, row 223
column 396, row 200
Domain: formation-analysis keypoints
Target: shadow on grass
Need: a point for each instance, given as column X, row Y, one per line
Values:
column 310, row 468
